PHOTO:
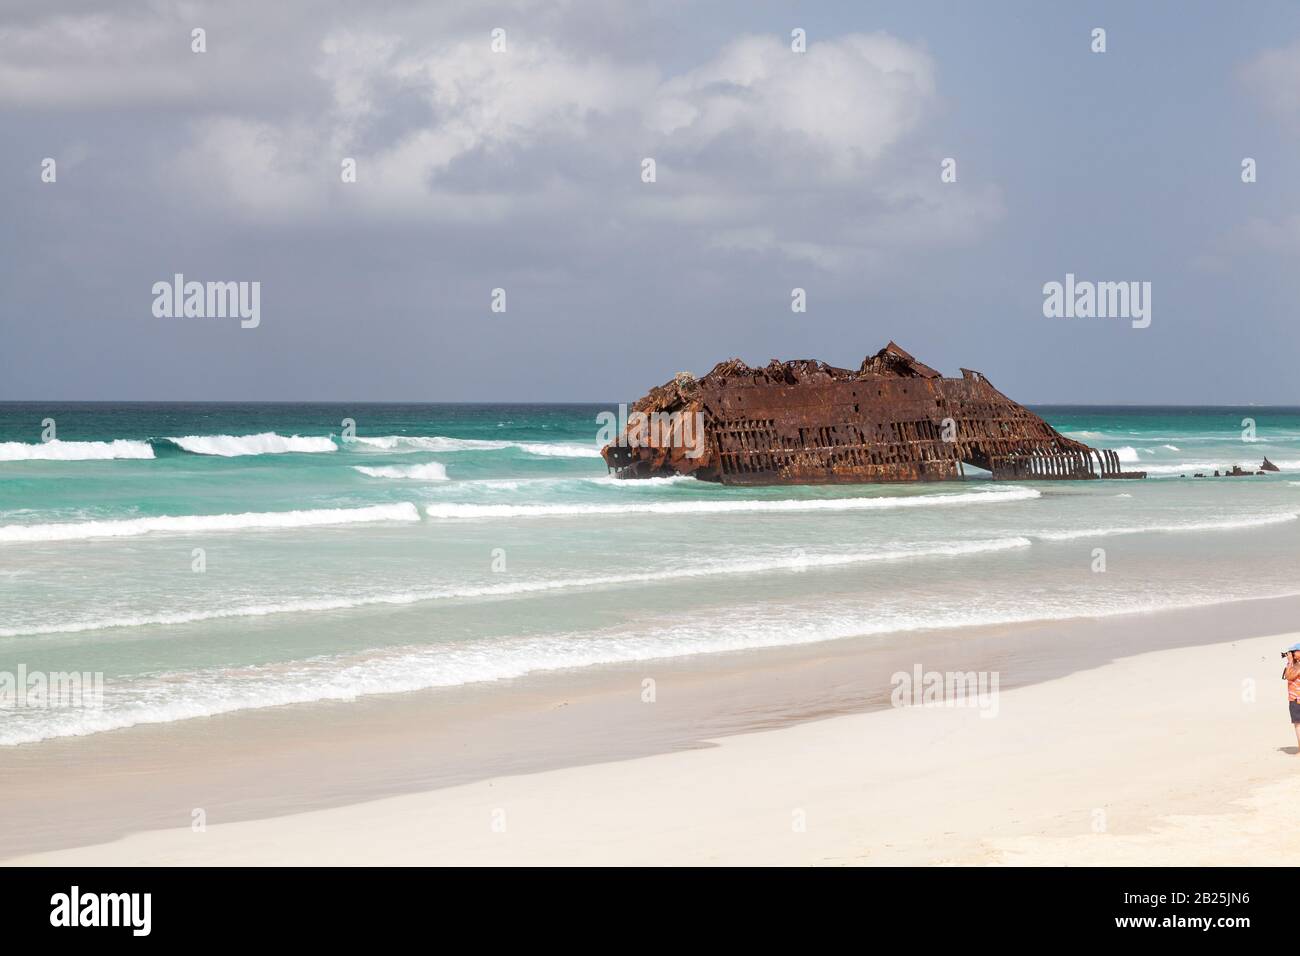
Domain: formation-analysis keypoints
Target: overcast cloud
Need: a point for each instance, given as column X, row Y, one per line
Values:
column 522, row 170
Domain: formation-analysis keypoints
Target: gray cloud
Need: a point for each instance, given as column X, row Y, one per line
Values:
column 521, row 170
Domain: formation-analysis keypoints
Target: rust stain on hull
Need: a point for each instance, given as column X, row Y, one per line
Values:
column 805, row 422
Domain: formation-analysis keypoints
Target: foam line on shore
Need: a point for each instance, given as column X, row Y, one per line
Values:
column 402, row 670
column 1226, row 524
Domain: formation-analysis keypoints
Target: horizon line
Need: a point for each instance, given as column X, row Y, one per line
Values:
column 332, row 401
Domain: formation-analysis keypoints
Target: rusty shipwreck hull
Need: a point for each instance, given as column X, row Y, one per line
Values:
column 805, row 422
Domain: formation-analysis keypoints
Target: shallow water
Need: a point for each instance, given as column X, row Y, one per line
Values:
column 210, row 558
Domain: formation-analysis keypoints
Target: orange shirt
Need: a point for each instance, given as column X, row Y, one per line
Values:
column 1292, row 684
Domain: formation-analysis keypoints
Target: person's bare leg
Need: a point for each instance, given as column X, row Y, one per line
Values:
column 1296, row 728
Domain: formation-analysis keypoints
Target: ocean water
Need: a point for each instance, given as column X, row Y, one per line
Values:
column 211, row 558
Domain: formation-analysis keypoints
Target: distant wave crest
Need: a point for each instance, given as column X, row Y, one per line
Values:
column 265, row 443
column 75, row 450
column 445, row 444
column 431, row 471
column 560, row 450
column 1209, row 467
column 640, row 484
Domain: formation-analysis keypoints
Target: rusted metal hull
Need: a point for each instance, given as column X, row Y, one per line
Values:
column 893, row 420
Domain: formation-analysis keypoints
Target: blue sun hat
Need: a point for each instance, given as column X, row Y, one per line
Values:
column 1294, row 647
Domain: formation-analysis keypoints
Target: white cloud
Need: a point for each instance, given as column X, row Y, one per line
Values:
column 813, row 157
column 1273, row 78
column 847, row 100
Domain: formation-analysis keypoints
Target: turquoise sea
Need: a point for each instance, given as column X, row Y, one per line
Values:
column 207, row 558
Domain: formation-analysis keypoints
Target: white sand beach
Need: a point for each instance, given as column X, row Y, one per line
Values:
column 1178, row 756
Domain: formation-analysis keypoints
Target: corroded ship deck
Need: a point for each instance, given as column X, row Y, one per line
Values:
column 805, row 422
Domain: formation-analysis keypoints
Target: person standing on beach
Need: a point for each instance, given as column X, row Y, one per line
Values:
column 1292, row 677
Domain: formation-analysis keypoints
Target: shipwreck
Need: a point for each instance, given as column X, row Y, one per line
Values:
column 806, row 422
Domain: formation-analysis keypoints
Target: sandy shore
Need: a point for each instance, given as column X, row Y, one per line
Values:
column 1173, row 756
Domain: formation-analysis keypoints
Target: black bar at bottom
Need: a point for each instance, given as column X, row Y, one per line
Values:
column 299, row 906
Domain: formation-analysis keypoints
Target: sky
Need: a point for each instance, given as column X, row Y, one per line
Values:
column 502, row 146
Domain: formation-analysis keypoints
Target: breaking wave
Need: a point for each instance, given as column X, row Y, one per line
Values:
column 789, row 561
column 611, row 481
column 184, row 696
column 441, row 443
column 432, row 471
column 266, row 443
column 75, row 450
column 560, row 450
column 1189, row 468
column 77, row 531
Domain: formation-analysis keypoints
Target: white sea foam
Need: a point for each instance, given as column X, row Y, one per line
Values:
column 81, row 530
column 633, row 484
column 426, row 443
column 176, row 697
column 1127, row 454
column 266, row 443
column 1190, row 468
column 726, row 507
column 604, row 481
column 1225, row 524
column 441, row 443
column 1184, row 468
column 431, row 471
column 1227, row 437
column 560, row 450
column 75, row 450
column 770, row 563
